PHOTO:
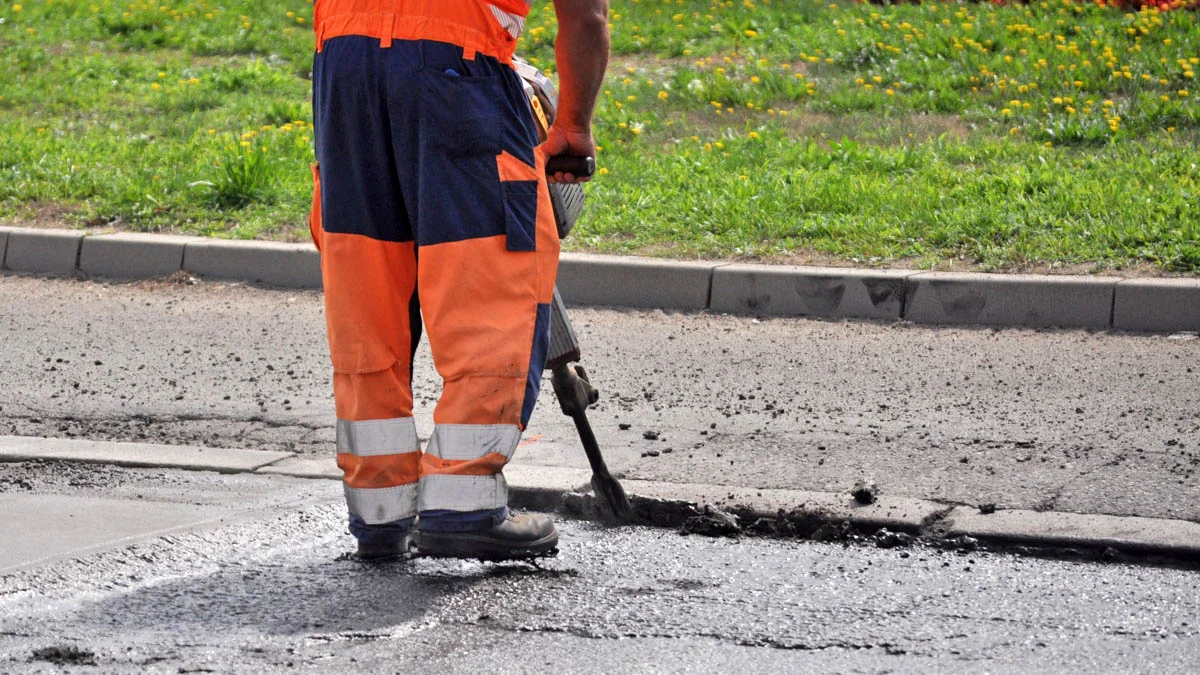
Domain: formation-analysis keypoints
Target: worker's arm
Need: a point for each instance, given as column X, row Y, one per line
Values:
column 581, row 53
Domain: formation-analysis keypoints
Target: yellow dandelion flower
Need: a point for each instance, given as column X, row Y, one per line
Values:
column 752, row 134
column 662, row 95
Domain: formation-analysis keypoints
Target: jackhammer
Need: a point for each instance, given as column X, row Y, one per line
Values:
column 571, row 384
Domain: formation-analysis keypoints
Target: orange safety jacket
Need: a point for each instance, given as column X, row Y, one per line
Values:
column 488, row 27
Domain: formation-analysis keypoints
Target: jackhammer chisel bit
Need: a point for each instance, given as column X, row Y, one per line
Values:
column 571, row 384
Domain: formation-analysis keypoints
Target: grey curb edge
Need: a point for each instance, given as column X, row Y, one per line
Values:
column 789, row 512
column 937, row 298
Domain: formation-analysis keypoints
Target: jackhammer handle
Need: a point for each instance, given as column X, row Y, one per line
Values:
column 581, row 167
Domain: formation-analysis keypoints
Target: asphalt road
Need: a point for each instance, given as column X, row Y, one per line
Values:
column 266, row 586
column 1064, row 420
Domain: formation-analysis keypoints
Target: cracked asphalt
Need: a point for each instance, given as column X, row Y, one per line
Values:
column 268, row 587
column 1089, row 422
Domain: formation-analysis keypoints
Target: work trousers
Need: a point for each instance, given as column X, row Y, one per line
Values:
column 430, row 202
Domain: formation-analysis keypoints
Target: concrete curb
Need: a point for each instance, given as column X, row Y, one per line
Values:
column 588, row 279
column 939, row 298
column 796, row 513
column 43, row 251
column 4, row 231
column 221, row 460
column 1016, row 300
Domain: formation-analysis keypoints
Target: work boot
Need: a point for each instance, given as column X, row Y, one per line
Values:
column 520, row 536
column 382, row 550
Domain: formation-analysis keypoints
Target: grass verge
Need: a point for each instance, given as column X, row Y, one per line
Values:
column 982, row 136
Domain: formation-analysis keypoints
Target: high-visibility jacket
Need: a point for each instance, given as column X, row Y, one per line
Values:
column 453, row 21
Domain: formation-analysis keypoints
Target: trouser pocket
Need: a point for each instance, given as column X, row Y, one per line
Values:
column 520, row 214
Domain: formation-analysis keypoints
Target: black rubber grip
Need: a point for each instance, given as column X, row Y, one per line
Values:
column 581, row 167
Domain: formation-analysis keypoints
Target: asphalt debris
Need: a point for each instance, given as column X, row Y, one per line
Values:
column 712, row 523
column 65, row 655
column 885, row 538
column 865, row 492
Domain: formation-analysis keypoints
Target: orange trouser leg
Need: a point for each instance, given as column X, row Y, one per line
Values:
column 371, row 347
column 486, row 310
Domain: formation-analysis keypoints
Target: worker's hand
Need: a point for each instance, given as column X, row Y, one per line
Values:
column 565, row 141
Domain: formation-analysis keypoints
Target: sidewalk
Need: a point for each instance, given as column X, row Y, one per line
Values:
column 703, row 509
column 939, row 298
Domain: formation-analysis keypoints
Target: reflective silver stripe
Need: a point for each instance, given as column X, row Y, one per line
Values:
column 511, row 22
column 382, row 505
column 378, row 437
column 472, row 441
column 463, row 493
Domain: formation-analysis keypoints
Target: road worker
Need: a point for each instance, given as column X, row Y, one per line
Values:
column 431, row 203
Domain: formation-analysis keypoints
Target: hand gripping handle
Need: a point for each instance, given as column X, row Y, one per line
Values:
column 581, row 167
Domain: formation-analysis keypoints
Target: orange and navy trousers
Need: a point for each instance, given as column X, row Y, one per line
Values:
column 430, row 206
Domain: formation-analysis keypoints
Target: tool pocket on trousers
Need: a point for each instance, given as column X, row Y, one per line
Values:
column 520, row 214
column 314, row 214
column 461, row 116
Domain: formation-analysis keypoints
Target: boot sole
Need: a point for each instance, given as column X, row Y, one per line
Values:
column 471, row 545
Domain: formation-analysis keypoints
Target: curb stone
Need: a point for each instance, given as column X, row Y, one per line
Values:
column 550, row 488
column 266, row 262
column 43, row 251
column 1037, row 301
column 589, row 279
column 938, row 298
column 3, row 243
column 1179, row 538
column 809, row 291
column 133, row 255
column 221, row 460
column 1164, row 305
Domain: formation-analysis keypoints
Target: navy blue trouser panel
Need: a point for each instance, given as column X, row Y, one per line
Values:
column 407, row 139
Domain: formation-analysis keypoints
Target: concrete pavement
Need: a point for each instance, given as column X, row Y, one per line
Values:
column 1092, row 302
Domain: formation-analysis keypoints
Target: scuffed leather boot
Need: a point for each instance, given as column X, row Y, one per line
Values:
column 382, row 550
column 520, row 536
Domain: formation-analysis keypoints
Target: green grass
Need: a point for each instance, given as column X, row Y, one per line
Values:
column 934, row 135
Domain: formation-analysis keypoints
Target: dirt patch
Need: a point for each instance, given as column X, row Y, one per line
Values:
column 65, row 655
column 45, row 215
